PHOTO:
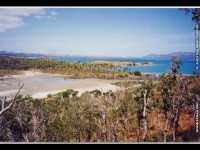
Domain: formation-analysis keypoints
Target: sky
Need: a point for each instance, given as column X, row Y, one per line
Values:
column 124, row 32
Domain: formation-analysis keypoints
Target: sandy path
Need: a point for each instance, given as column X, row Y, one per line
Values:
column 39, row 85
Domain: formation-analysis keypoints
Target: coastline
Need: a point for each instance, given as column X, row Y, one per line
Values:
column 122, row 63
column 39, row 85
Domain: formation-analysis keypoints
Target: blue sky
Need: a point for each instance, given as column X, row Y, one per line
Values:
column 128, row 32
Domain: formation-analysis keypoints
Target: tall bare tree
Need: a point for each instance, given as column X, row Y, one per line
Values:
column 143, row 99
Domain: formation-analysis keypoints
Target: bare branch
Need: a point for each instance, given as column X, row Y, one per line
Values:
column 12, row 102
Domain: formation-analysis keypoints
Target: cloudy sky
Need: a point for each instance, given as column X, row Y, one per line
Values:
column 132, row 32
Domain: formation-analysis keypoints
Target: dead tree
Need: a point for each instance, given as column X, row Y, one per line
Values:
column 4, row 108
column 144, row 115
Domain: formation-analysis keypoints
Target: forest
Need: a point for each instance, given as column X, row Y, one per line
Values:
column 156, row 111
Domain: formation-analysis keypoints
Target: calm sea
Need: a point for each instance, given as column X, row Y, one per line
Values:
column 160, row 67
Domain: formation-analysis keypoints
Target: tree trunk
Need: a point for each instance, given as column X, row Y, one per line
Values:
column 145, row 130
column 175, row 126
column 106, row 132
column 115, row 139
column 102, row 137
column 78, row 135
column 165, row 137
column 165, row 130
column 114, row 132
column 144, row 116
column 3, row 108
column 127, row 128
column 25, row 136
column 35, row 124
column 88, row 136
column 138, row 132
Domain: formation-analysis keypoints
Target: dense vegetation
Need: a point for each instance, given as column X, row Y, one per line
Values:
column 152, row 112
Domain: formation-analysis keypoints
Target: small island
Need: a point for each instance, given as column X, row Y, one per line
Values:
column 122, row 63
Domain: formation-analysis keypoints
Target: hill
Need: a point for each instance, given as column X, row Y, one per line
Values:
column 14, row 54
column 180, row 55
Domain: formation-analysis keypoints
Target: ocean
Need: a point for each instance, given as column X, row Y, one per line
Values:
column 160, row 67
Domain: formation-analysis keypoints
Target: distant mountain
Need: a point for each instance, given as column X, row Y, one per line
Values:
column 180, row 55
column 14, row 54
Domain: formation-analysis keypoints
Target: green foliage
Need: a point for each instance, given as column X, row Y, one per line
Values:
column 96, row 93
column 96, row 115
column 109, row 116
column 70, row 69
column 175, row 65
column 195, row 12
column 149, row 86
column 137, row 73
column 75, row 93
column 49, row 96
column 67, row 93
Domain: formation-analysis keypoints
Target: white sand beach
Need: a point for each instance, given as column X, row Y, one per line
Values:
column 39, row 85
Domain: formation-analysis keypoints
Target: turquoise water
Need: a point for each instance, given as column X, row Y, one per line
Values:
column 163, row 66
column 160, row 67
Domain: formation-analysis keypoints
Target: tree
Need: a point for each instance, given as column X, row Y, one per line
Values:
column 175, row 98
column 67, row 93
column 144, row 98
column 74, row 94
column 9, row 127
column 137, row 73
column 4, row 101
column 96, row 93
column 175, row 66
column 195, row 13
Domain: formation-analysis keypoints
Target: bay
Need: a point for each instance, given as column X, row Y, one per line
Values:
column 159, row 67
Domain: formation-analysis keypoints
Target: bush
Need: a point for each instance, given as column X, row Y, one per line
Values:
column 49, row 96
column 96, row 93
column 67, row 93
column 75, row 93
column 137, row 73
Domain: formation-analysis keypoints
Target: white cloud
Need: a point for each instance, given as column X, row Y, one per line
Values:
column 46, row 15
column 53, row 13
column 14, row 17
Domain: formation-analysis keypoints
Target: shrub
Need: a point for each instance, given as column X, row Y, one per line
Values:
column 96, row 93
column 137, row 73
column 49, row 96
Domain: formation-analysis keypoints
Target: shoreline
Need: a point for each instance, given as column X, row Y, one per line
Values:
column 39, row 85
column 121, row 63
